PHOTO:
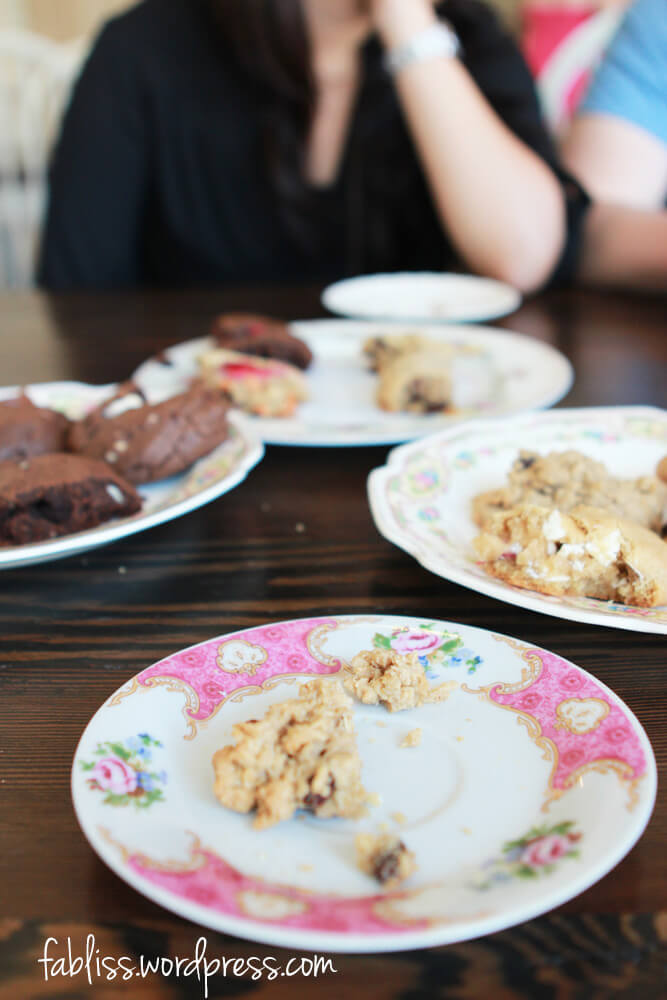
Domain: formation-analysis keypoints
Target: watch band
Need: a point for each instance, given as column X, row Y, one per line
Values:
column 437, row 40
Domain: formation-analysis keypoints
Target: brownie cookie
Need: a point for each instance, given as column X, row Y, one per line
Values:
column 145, row 442
column 51, row 495
column 262, row 336
column 26, row 429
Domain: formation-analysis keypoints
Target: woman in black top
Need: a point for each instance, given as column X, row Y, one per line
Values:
column 266, row 140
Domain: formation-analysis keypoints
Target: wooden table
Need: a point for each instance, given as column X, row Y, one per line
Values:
column 73, row 631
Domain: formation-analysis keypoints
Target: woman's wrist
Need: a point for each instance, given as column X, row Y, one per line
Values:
column 398, row 21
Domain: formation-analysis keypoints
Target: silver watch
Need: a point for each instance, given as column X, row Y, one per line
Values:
column 437, row 40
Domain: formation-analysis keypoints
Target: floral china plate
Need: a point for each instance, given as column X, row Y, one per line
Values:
column 495, row 374
column 421, row 499
column 528, row 784
column 425, row 296
column 206, row 480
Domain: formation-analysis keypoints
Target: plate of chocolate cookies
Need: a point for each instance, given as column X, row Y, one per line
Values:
column 84, row 465
column 342, row 383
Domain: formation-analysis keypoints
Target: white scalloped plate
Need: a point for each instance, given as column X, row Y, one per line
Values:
column 422, row 296
column 208, row 478
column 506, row 820
column 504, row 373
column 421, row 498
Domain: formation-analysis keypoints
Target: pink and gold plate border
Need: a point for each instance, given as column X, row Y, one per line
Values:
column 575, row 722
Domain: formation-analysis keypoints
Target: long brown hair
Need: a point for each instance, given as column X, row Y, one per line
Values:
column 268, row 39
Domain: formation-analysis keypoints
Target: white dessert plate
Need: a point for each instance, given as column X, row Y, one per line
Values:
column 497, row 373
column 421, row 499
column 506, row 821
column 426, row 296
column 206, row 480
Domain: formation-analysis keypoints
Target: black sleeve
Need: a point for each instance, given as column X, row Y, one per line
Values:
column 499, row 70
column 98, row 177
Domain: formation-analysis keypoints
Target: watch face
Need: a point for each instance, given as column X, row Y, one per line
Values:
column 437, row 40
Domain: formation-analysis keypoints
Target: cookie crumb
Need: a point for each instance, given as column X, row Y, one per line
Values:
column 386, row 858
column 299, row 527
column 122, row 570
column 412, row 739
column 399, row 817
column 374, row 799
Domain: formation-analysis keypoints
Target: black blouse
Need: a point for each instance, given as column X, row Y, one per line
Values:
column 159, row 177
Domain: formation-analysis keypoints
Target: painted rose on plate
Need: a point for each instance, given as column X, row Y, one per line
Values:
column 125, row 772
column 112, row 774
column 414, row 641
column 435, row 648
column 531, row 856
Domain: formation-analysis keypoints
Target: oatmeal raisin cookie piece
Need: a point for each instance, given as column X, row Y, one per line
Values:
column 301, row 755
column 396, row 681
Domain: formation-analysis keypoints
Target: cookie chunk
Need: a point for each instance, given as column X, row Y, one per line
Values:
column 301, row 755
column 384, row 857
column 262, row 336
column 567, row 479
column 267, row 388
column 26, row 429
column 394, row 680
column 587, row 552
column 50, row 495
column 661, row 470
column 418, row 382
column 146, row 442
column 385, row 347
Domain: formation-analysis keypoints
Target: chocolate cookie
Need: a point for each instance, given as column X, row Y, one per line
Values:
column 262, row 336
column 51, row 495
column 26, row 429
column 145, row 442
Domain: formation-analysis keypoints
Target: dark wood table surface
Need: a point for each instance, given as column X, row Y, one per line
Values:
column 73, row 631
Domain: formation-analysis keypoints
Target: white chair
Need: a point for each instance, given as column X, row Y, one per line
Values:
column 36, row 75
